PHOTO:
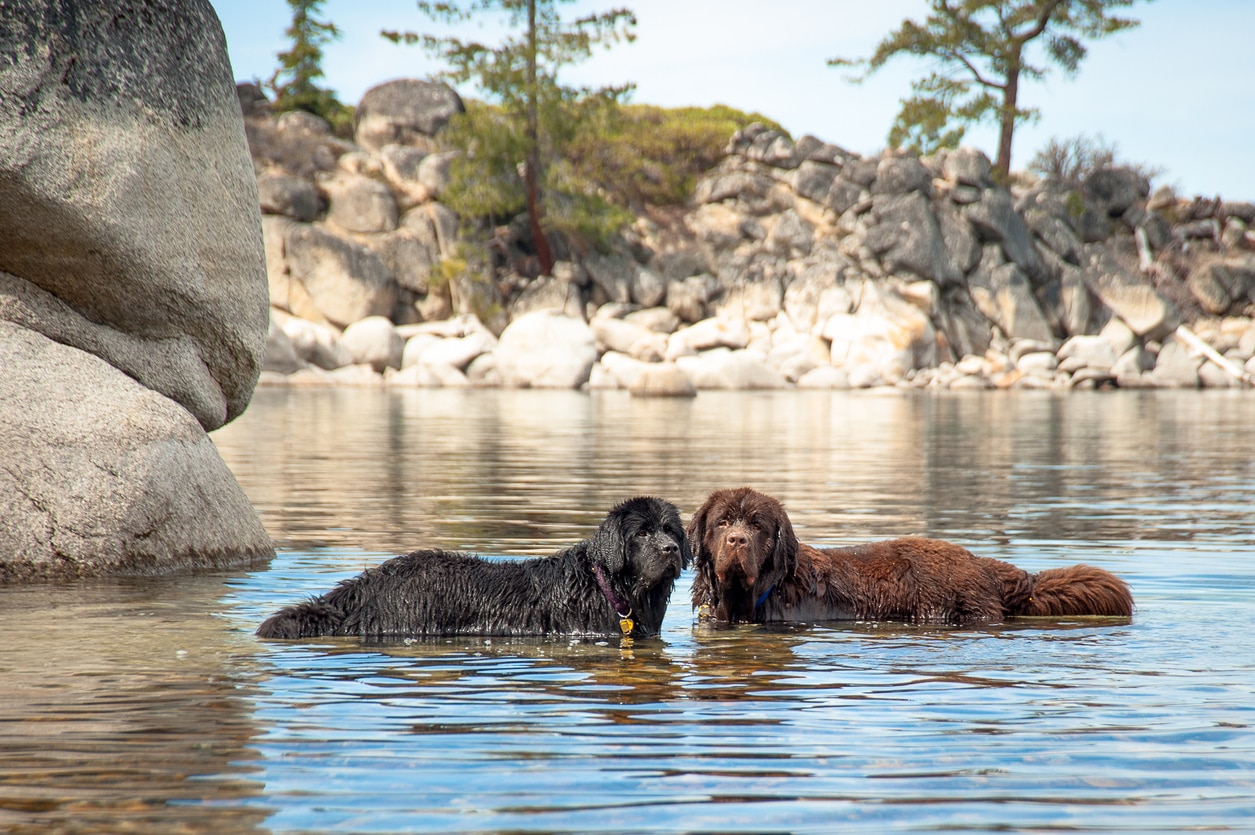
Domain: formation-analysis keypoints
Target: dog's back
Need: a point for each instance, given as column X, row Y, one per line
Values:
column 424, row 593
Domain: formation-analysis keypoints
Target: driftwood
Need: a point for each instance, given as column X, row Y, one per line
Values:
column 1199, row 344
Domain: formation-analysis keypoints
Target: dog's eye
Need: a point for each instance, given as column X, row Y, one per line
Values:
column 723, row 523
column 642, row 532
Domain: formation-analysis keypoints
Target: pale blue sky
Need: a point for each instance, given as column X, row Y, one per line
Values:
column 1177, row 93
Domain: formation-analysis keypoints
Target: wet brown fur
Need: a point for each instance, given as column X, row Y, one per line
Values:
column 751, row 568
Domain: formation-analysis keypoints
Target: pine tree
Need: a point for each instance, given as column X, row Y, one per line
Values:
column 520, row 76
column 294, row 82
column 982, row 47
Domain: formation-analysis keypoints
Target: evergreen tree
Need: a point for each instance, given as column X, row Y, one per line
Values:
column 294, row 82
column 537, row 113
column 982, row 49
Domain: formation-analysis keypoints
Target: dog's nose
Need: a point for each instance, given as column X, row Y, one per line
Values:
column 738, row 538
column 670, row 548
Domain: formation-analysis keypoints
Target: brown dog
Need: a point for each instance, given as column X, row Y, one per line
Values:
column 751, row 568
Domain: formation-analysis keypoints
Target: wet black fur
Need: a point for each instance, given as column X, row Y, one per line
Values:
column 640, row 547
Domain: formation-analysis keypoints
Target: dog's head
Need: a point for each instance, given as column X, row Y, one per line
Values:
column 744, row 545
column 641, row 546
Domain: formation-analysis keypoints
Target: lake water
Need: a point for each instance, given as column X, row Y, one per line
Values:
column 146, row 706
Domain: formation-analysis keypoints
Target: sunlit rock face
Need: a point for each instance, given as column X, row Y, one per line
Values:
column 133, row 297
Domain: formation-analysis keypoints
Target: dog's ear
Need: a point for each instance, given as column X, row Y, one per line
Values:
column 784, row 555
column 609, row 545
column 696, row 533
column 686, row 550
column 705, row 588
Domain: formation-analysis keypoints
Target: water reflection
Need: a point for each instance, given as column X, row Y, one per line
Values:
column 125, row 708
column 512, row 471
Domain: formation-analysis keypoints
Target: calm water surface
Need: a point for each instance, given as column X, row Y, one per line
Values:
column 147, row 706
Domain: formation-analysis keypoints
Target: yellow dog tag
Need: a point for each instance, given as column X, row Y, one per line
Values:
column 627, row 625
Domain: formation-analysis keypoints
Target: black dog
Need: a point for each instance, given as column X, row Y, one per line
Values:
column 617, row 582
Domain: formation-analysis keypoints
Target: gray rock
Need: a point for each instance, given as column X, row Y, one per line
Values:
column 128, row 198
column 547, row 293
column 843, row 195
column 102, row 475
column 435, row 171
column 1056, row 234
column 1003, row 293
column 958, row 236
column 360, row 204
column 968, row 167
column 791, row 236
column 409, row 254
column 1218, row 283
column 662, row 380
column 816, row 150
column 403, row 112
column 281, row 355
column 727, row 184
column 690, row 299
column 345, row 282
column 1124, row 291
column 994, row 218
column 902, row 175
column 813, row 180
column 966, row 330
column 1086, row 351
column 293, row 197
column 861, row 171
column 1114, row 190
column 400, row 165
column 907, row 236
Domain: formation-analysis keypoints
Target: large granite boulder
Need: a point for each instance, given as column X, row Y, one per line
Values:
column 406, row 111
column 132, row 288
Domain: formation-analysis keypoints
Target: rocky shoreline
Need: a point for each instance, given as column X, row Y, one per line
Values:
column 795, row 265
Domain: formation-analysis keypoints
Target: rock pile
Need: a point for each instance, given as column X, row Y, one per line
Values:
column 797, row 264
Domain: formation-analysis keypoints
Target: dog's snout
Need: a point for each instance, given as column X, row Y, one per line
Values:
column 738, row 538
column 669, row 547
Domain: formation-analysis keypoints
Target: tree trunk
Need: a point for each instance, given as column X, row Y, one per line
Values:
column 1010, row 93
column 531, row 174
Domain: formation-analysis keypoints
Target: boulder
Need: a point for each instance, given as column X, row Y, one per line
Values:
column 906, row 236
column 294, row 197
column 133, row 297
column 902, row 175
column 723, row 368
column 545, row 349
column 662, row 380
column 281, row 354
column 1114, row 190
column 102, row 475
column 313, row 343
column 1086, row 351
column 995, row 219
column 406, row 111
column 400, row 167
column 1175, row 367
column 967, row 166
column 128, row 198
column 375, row 342
column 1127, row 294
column 360, row 204
column 1003, row 293
column 344, row 281
column 690, row 299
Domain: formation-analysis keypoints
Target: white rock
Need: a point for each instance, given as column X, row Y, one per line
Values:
column 374, row 341
column 546, row 349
